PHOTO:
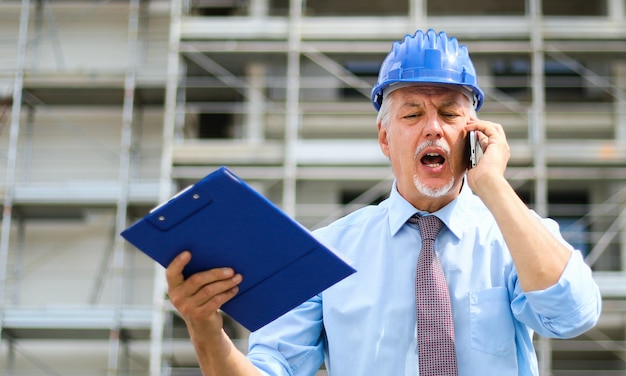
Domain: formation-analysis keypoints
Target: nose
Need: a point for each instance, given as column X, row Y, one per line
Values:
column 432, row 127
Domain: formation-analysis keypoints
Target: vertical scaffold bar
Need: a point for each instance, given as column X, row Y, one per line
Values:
column 170, row 117
column 292, row 110
column 116, row 337
column 9, row 188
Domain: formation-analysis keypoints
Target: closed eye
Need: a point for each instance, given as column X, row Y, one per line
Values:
column 412, row 116
column 449, row 115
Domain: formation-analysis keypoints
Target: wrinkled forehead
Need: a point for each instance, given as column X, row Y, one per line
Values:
column 439, row 93
column 447, row 92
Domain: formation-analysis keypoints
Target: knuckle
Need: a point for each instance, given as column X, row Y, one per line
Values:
column 222, row 298
column 178, row 302
column 209, row 290
column 169, row 274
column 196, row 279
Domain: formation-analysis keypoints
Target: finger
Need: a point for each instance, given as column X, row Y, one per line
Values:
column 206, row 285
column 209, row 309
column 481, row 126
column 471, row 125
column 219, row 300
column 484, row 142
column 488, row 129
column 210, row 296
column 218, row 294
column 174, row 271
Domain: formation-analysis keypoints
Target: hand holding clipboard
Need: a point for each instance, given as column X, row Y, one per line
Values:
column 224, row 222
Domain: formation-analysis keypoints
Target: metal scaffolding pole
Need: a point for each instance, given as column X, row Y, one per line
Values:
column 537, row 132
column 27, row 155
column 115, row 337
column 170, row 117
column 292, row 111
column 255, row 103
column 418, row 14
column 537, row 118
column 9, row 190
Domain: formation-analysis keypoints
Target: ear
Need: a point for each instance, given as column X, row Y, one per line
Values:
column 383, row 139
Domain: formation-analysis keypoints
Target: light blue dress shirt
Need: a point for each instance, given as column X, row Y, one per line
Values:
column 365, row 324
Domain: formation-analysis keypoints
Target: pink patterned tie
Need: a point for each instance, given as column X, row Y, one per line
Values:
column 435, row 327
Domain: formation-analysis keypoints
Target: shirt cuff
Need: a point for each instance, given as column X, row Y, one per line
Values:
column 573, row 304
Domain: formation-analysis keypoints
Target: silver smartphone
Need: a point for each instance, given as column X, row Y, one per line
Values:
column 475, row 151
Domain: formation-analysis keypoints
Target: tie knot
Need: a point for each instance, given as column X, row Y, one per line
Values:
column 429, row 225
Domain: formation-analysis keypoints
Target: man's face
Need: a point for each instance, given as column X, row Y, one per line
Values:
column 424, row 139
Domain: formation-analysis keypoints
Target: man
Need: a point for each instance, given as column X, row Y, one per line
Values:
column 509, row 273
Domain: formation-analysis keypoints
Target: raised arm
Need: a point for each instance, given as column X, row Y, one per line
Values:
column 538, row 256
column 198, row 300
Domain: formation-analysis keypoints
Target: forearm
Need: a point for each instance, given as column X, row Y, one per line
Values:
column 219, row 356
column 539, row 257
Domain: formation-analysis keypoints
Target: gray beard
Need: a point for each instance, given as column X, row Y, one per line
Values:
column 431, row 192
column 427, row 191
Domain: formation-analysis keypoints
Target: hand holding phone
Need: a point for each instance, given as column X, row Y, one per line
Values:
column 475, row 151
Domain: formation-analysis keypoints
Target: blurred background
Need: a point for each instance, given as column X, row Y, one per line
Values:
column 109, row 107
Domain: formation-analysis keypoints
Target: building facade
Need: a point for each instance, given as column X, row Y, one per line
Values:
column 109, row 107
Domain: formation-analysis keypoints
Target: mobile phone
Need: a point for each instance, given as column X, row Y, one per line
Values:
column 475, row 151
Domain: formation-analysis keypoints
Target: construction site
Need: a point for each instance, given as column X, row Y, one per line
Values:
column 109, row 107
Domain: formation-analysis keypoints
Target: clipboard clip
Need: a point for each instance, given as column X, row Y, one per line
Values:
column 180, row 207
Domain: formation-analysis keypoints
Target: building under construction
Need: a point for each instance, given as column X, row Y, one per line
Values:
column 109, row 107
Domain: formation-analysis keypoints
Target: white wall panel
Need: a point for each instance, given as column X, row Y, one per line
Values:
column 83, row 144
column 63, row 259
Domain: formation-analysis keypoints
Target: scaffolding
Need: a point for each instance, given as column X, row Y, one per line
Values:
column 109, row 107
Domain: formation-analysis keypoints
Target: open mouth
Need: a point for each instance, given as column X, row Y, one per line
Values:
column 432, row 159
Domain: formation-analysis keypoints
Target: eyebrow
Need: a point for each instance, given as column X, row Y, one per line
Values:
column 411, row 105
column 451, row 103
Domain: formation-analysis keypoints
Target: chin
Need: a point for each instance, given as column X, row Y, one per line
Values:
column 433, row 192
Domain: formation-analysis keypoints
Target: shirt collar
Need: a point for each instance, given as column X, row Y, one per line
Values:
column 400, row 210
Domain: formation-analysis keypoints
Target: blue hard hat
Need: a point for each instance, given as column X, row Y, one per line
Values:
column 428, row 58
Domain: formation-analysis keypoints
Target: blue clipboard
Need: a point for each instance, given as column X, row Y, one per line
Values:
column 224, row 222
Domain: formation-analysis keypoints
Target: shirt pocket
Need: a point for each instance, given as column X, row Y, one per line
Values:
column 491, row 322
